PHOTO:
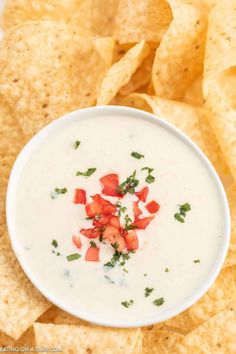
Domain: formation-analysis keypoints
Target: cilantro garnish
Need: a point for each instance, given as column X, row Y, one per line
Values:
column 150, row 178
column 125, row 270
column 109, row 279
column 127, row 303
column 128, row 186
column 54, row 243
column 120, row 208
column 128, row 223
column 93, row 244
column 73, row 257
column 118, row 257
column 58, row 191
column 159, row 302
column 87, row 173
column 149, row 169
column 183, row 209
column 77, row 144
column 145, row 274
column 167, row 270
column 136, row 155
column 100, row 238
column 148, row 291
column 56, row 253
column 196, row 260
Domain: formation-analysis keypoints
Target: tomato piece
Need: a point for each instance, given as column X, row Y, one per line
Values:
column 118, row 239
column 110, row 232
column 77, row 241
column 91, row 233
column 142, row 195
column 107, row 207
column 80, row 196
column 142, row 223
column 104, row 220
column 131, row 240
column 93, row 209
column 110, row 183
column 136, row 209
column 115, row 222
column 153, row 207
column 92, row 254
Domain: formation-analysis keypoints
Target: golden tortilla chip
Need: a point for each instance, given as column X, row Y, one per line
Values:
column 105, row 47
column 231, row 256
column 102, row 16
column 215, row 300
column 156, row 341
column 179, row 58
column 84, row 339
column 194, row 95
column 57, row 316
column 217, row 335
column 19, row 11
column 46, row 70
column 142, row 20
column 27, row 340
column 20, row 303
column 191, row 120
column 120, row 73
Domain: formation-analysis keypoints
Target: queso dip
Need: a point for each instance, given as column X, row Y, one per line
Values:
column 117, row 218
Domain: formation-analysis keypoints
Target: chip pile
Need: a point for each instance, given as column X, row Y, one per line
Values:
column 174, row 58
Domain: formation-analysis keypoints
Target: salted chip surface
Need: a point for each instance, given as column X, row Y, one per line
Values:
column 20, row 303
column 120, row 73
column 19, row 11
column 25, row 341
column 84, row 339
column 47, row 70
column 105, row 47
column 217, row 335
column 158, row 341
column 142, row 20
column 179, row 58
column 217, row 298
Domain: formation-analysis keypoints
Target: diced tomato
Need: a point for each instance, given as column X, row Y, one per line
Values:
column 104, row 220
column 118, row 239
column 136, row 209
column 79, row 196
column 142, row 223
column 93, row 209
column 131, row 240
column 77, row 241
column 153, row 207
column 91, row 233
column 142, row 195
column 115, row 222
column 110, row 183
column 107, row 207
column 92, row 254
column 110, row 232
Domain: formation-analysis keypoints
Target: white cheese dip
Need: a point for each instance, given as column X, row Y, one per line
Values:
column 173, row 258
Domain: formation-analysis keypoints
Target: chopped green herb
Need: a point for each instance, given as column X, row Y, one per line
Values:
column 167, row 270
column 136, row 155
column 128, row 186
column 89, row 218
column 183, row 209
column 150, row 170
column 196, row 260
column 145, row 274
column 148, row 291
column 100, row 238
column 54, row 243
column 93, row 244
column 73, row 257
column 76, row 144
column 131, row 227
column 87, row 173
column 120, row 208
column 159, row 302
column 56, row 253
column 60, row 190
column 125, row 270
column 179, row 217
column 150, row 179
column 122, row 264
column 127, row 303
column 109, row 279
column 118, row 257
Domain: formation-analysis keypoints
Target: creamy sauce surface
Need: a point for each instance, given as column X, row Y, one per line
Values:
column 173, row 257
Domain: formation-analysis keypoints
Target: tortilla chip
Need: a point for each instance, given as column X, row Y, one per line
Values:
column 57, row 316
column 194, row 94
column 20, row 303
column 156, row 341
column 191, row 120
column 215, row 300
column 142, row 20
column 46, row 70
column 141, row 77
column 214, row 336
column 105, row 47
column 231, row 256
column 84, row 339
column 27, row 340
column 19, row 11
column 179, row 58
column 102, row 18
column 120, row 73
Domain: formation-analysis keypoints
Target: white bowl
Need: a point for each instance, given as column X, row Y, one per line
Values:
column 58, row 124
